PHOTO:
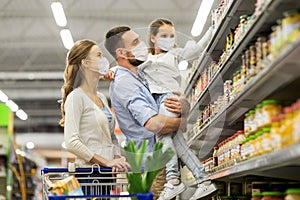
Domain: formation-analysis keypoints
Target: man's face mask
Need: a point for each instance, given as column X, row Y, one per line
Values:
column 166, row 44
column 140, row 52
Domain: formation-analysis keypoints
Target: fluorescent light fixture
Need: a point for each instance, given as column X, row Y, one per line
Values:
column 30, row 145
column 22, row 115
column 12, row 105
column 202, row 16
column 59, row 14
column 3, row 97
column 183, row 65
column 67, row 39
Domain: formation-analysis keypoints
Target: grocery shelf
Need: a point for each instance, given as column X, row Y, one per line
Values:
column 281, row 163
column 261, row 24
column 278, row 74
column 217, row 43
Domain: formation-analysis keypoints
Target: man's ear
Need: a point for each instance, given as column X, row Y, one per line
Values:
column 121, row 53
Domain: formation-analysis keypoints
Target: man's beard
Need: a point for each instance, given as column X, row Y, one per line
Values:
column 135, row 62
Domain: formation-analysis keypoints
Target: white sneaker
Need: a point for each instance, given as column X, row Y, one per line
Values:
column 170, row 191
column 204, row 191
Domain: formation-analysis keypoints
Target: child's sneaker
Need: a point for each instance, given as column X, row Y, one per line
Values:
column 170, row 191
column 204, row 191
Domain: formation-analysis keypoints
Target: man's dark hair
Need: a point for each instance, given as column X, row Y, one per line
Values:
column 113, row 39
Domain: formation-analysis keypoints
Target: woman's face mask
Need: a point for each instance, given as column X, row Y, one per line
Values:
column 103, row 66
column 166, row 44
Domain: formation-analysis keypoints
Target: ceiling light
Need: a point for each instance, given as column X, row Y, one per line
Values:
column 183, row 65
column 12, row 105
column 202, row 16
column 3, row 97
column 59, row 14
column 30, row 145
column 22, row 115
column 67, row 39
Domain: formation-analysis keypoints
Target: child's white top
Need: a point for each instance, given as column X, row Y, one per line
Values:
column 162, row 71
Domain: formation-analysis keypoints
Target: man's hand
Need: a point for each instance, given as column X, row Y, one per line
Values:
column 109, row 76
column 179, row 105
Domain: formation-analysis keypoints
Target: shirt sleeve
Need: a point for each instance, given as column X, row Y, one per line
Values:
column 73, row 112
column 140, row 108
column 192, row 49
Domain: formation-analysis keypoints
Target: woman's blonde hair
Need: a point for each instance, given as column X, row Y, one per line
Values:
column 73, row 75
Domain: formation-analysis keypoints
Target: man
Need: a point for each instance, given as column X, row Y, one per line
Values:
column 135, row 108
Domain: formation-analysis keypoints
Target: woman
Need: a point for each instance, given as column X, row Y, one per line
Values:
column 88, row 122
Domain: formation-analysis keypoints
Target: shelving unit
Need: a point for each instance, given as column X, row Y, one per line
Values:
column 280, row 79
column 23, row 172
column 6, row 123
column 278, row 164
column 272, row 79
column 278, row 74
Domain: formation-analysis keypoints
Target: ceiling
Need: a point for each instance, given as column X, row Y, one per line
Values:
column 32, row 57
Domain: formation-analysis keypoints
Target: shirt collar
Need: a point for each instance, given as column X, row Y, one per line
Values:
column 141, row 75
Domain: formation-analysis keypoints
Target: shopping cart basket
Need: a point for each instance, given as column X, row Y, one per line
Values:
column 96, row 183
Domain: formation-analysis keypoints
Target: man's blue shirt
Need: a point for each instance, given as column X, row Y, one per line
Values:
column 133, row 104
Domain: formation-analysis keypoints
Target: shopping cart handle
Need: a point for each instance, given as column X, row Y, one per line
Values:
column 86, row 169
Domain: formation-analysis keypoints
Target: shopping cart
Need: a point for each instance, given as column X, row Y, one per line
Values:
column 96, row 183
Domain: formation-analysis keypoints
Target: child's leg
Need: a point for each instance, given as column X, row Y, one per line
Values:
column 172, row 170
column 160, row 99
column 173, row 187
column 189, row 158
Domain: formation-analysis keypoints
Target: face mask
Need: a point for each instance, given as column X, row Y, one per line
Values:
column 166, row 44
column 140, row 52
column 103, row 66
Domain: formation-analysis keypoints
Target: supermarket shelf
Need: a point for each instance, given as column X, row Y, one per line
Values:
column 278, row 164
column 217, row 42
column 281, row 72
column 233, row 60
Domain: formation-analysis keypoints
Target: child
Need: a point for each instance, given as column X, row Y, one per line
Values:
column 163, row 76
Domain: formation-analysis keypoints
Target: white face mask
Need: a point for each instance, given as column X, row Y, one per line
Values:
column 103, row 66
column 140, row 52
column 166, row 44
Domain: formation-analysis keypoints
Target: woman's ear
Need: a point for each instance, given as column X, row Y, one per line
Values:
column 83, row 62
column 152, row 38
